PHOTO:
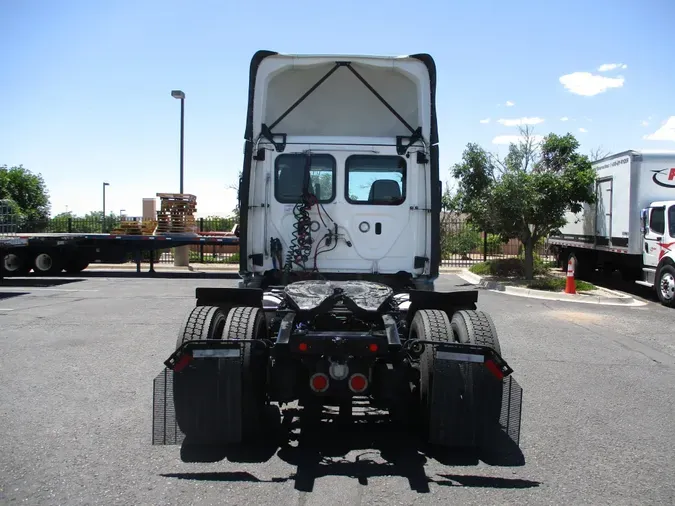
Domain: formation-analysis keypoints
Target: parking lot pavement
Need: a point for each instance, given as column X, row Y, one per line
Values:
column 77, row 361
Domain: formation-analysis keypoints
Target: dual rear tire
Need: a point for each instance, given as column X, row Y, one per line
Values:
column 212, row 405
column 469, row 399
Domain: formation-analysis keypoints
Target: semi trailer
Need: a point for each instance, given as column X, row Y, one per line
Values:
column 631, row 225
column 50, row 254
column 340, row 251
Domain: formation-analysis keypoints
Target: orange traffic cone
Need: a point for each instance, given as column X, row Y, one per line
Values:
column 570, row 285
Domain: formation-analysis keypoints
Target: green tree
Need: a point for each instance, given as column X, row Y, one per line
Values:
column 527, row 194
column 27, row 190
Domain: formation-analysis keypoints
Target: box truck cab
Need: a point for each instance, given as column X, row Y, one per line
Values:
column 658, row 256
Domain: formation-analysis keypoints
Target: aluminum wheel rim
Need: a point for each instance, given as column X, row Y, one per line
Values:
column 43, row 262
column 12, row 262
column 667, row 286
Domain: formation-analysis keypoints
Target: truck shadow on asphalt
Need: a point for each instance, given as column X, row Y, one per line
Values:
column 366, row 447
column 614, row 281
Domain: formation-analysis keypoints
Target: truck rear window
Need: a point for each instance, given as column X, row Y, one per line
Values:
column 375, row 180
column 289, row 173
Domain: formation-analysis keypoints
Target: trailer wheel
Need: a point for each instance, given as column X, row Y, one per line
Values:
column 47, row 263
column 15, row 264
column 477, row 327
column 195, row 390
column 665, row 287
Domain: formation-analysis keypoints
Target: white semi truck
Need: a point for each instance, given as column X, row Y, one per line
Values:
column 631, row 227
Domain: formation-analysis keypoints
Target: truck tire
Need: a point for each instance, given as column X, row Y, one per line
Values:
column 47, row 263
column 15, row 264
column 249, row 323
column 477, row 327
column 665, row 285
column 195, row 391
column 428, row 325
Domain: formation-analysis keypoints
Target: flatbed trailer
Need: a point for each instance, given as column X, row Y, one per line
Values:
column 49, row 254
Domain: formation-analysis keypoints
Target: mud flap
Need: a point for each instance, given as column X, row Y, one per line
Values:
column 208, row 400
column 474, row 401
column 165, row 430
column 451, row 421
column 509, row 417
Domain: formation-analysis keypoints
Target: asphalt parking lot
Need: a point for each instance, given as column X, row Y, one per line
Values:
column 77, row 361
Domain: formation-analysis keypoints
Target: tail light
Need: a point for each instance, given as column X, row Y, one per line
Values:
column 319, row 382
column 358, row 383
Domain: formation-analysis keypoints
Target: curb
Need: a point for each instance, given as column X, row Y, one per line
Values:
column 616, row 299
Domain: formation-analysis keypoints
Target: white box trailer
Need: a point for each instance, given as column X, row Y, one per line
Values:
column 631, row 227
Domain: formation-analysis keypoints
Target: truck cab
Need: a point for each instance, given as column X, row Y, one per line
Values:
column 658, row 254
column 340, row 177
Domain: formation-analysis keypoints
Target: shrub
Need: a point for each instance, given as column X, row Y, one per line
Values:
column 462, row 242
column 558, row 284
column 508, row 267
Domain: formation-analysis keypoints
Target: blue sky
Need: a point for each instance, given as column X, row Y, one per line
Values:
column 85, row 88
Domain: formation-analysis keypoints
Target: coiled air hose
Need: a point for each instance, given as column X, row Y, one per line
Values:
column 300, row 247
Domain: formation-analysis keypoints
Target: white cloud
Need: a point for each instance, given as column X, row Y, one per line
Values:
column 583, row 130
column 515, row 139
column 564, row 118
column 509, row 103
column 665, row 133
column 520, row 121
column 605, row 67
column 486, row 120
column 644, row 123
column 587, row 84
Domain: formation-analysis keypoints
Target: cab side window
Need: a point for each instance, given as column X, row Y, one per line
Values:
column 671, row 221
column 657, row 221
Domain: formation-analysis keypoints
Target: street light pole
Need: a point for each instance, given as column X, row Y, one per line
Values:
column 178, row 94
column 103, row 217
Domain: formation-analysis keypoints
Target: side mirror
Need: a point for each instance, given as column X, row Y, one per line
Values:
column 644, row 221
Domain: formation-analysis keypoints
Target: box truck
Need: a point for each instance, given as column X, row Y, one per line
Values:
column 630, row 227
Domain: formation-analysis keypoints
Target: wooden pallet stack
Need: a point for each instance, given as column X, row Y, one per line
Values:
column 176, row 213
column 129, row 226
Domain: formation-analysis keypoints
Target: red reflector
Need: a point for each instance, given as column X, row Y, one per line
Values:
column 492, row 367
column 319, row 382
column 358, row 383
column 302, row 346
column 373, row 347
column 182, row 362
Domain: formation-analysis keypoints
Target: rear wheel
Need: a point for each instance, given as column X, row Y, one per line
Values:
column 442, row 417
column 47, row 263
column 195, row 390
column 477, row 327
column 250, row 323
column 15, row 264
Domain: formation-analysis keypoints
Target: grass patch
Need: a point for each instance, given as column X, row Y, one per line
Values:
column 558, row 284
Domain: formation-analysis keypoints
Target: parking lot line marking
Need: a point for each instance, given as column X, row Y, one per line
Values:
column 5, row 309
